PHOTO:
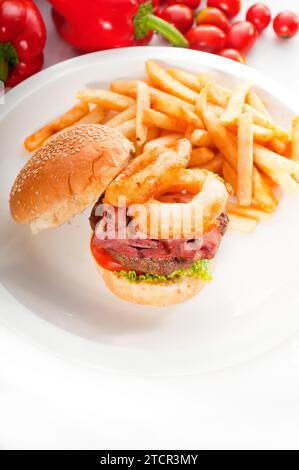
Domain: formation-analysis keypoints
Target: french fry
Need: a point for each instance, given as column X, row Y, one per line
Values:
column 257, row 103
column 201, row 138
column 286, row 151
column 188, row 79
column 173, row 109
column 154, row 133
column 235, row 104
column 95, row 116
column 124, row 87
column 217, row 94
column 162, row 132
column 207, row 79
column 262, row 192
column 159, row 99
column 36, row 140
column 270, row 161
column 262, row 134
column 241, row 224
column 127, row 128
column 261, row 120
column 214, row 165
column 201, row 102
column 250, row 212
column 245, row 159
column 189, row 117
column 277, row 146
column 285, row 181
column 165, row 140
column 163, row 80
column 110, row 114
column 106, row 99
column 159, row 95
column 143, row 102
column 123, row 116
column 200, row 156
column 218, row 109
column 230, row 175
column 188, row 131
column 295, row 139
column 155, row 118
column 222, row 138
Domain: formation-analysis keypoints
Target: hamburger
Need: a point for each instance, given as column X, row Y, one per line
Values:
column 79, row 168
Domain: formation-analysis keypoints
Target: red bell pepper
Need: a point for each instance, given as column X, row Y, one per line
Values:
column 22, row 40
column 91, row 25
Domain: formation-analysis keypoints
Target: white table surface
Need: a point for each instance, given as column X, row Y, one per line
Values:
column 254, row 405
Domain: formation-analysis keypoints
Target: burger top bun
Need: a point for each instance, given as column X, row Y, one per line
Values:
column 67, row 175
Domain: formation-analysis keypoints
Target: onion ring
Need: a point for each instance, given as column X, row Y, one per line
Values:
column 184, row 220
column 149, row 174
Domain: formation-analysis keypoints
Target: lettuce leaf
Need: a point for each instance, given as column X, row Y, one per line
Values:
column 199, row 269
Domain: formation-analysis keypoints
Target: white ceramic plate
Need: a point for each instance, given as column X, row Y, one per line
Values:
column 52, row 294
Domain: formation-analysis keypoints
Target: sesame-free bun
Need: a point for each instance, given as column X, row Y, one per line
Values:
column 145, row 293
column 67, row 175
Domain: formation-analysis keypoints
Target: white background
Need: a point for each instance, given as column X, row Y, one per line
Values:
column 60, row 405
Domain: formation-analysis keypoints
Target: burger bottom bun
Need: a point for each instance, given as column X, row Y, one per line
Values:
column 160, row 294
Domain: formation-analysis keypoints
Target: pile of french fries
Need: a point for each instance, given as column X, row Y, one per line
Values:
column 231, row 132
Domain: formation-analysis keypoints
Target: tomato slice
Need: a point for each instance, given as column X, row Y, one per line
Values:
column 103, row 258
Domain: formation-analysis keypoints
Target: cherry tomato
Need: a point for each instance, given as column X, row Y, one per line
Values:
column 103, row 258
column 190, row 3
column 211, row 15
column 286, row 24
column 207, row 38
column 230, row 7
column 180, row 16
column 241, row 36
column 259, row 15
column 233, row 54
